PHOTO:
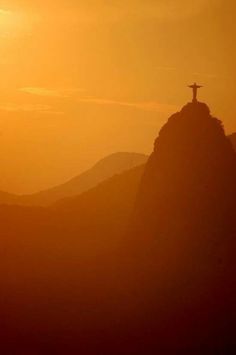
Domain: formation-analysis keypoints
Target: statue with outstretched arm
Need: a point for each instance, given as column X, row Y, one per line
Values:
column 195, row 88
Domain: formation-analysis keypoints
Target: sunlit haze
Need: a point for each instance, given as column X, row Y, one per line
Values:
column 84, row 79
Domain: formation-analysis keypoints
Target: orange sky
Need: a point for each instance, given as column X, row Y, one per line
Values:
column 83, row 79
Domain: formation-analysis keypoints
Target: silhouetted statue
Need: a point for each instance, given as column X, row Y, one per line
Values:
column 195, row 88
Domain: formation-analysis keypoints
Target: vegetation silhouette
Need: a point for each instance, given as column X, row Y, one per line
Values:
column 144, row 263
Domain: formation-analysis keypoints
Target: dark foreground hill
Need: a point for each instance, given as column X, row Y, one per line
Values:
column 60, row 274
column 185, row 226
column 104, row 169
column 232, row 138
column 116, row 272
column 111, row 165
column 191, row 174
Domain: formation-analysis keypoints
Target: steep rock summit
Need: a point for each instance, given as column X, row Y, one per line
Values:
column 189, row 180
column 184, row 231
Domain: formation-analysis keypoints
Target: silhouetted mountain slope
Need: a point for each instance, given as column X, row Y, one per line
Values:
column 101, row 211
column 104, row 169
column 64, row 265
column 232, row 138
column 74, row 280
column 7, row 198
column 185, row 226
column 191, row 174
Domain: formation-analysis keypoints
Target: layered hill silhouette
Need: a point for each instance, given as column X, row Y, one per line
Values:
column 111, row 165
column 143, row 263
column 65, row 265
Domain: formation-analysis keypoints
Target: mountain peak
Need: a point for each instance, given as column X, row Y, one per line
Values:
column 193, row 123
column 184, row 222
column 196, row 107
column 191, row 171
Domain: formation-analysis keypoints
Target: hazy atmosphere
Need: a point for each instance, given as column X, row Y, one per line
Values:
column 76, row 72
column 118, row 177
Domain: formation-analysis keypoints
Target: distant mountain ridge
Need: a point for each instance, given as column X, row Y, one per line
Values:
column 104, row 169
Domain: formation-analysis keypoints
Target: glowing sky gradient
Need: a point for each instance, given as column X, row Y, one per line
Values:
column 83, row 79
